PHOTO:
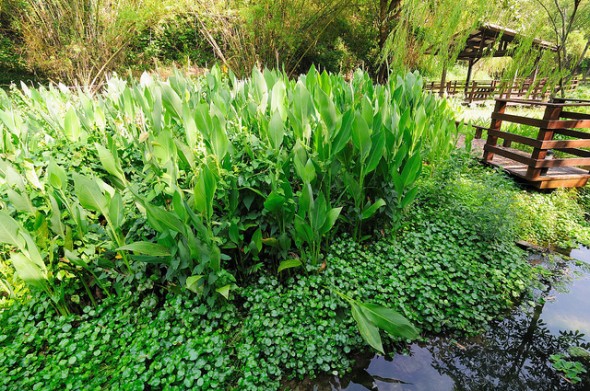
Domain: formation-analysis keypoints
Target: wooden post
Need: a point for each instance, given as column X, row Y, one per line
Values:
column 495, row 125
column 552, row 113
column 443, row 81
column 471, row 93
column 469, row 70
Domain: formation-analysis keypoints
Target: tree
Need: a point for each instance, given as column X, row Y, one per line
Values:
column 565, row 16
column 423, row 28
column 566, row 23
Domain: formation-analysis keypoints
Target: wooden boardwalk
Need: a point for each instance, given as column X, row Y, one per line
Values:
column 553, row 163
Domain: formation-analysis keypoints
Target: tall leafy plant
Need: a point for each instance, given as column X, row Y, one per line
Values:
column 205, row 182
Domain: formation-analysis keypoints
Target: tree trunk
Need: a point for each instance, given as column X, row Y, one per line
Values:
column 388, row 12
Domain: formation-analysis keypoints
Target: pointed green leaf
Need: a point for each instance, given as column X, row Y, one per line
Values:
column 192, row 283
column 205, row 192
column 328, row 113
column 72, row 127
column 389, row 320
column 219, row 142
column 161, row 219
column 274, row 202
column 146, row 248
column 361, row 136
column 330, row 220
column 56, row 176
column 368, row 331
column 343, row 136
column 89, row 194
column 190, row 126
column 21, row 202
column 412, row 169
column 224, row 291
column 318, row 213
column 116, row 210
column 28, row 271
column 215, row 258
column 276, row 130
column 257, row 240
column 171, row 101
column 409, row 197
column 277, row 104
column 371, row 209
column 377, row 151
column 289, row 264
column 56, row 224
column 110, row 162
column 9, row 231
column 303, row 231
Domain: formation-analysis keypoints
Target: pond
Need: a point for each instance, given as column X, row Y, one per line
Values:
column 512, row 355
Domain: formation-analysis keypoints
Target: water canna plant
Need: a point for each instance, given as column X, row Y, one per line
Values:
column 27, row 260
column 204, row 182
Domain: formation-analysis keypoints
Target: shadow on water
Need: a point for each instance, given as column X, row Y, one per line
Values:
column 512, row 355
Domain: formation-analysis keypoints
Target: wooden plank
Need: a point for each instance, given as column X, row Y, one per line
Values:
column 573, row 133
column 574, row 151
column 553, row 144
column 569, row 162
column 531, row 102
column 542, row 123
column 517, row 138
column 519, row 170
column 576, row 124
column 574, row 115
column 575, row 100
column 538, row 123
column 562, row 182
column 510, row 153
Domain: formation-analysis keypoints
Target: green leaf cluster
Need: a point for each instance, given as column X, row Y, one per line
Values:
column 205, row 182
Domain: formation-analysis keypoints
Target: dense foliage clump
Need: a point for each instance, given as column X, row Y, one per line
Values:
column 441, row 271
column 205, row 183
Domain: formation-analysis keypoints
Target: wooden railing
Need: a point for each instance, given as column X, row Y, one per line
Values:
column 480, row 90
column 540, row 168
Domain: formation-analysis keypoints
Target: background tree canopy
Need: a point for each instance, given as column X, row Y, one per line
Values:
column 80, row 41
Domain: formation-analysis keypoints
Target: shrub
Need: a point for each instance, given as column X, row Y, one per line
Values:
column 176, row 38
column 555, row 219
column 79, row 42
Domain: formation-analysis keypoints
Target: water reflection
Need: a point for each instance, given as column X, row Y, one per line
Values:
column 512, row 355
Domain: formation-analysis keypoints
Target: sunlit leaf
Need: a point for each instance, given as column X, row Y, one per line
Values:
column 289, row 264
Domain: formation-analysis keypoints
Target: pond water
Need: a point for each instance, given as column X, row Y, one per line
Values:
column 512, row 355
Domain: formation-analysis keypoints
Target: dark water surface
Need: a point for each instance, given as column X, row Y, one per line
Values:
column 512, row 355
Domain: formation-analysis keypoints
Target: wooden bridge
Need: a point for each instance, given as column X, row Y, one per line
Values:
column 559, row 156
